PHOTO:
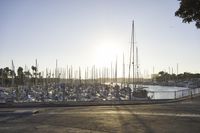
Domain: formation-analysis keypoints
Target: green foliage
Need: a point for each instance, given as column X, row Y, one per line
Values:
column 189, row 10
column 22, row 77
column 165, row 77
column 20, row 74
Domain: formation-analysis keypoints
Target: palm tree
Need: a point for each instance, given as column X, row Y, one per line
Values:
column 6, row 73
column 27, row 74
column 1, row 74
column 20, row 75
column 34, row 70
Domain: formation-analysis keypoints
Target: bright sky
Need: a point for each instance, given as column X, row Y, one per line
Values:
column 93, row 32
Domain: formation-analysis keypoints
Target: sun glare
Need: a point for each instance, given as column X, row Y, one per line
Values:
column 105, row 53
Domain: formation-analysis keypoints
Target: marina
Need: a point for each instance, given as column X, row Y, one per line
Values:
column 93, row 93
column 99, row 66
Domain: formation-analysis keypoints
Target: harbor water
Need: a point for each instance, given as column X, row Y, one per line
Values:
column 169, row 92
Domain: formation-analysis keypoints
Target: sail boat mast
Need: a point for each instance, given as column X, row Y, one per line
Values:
column 13, row 73
column 124, row 81
column 36, row 71
column 132, row 40
column 56, row 71
column 137, row 64
column 131, row 50
column 129, row 73
column 116, row 71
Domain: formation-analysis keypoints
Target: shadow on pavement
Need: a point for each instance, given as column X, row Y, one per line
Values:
column 132, row 122
column 7, row 118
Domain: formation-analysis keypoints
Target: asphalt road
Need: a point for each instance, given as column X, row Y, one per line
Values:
column 181, row 117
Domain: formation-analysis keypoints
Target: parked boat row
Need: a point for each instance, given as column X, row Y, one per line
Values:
column 67, row 92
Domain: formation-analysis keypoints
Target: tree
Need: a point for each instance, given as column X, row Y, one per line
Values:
column 189, row 10
column 34, row 69
column 20, row 75
column 6, row 74
column 27, row 74
column 161, row 73
column 1, row 75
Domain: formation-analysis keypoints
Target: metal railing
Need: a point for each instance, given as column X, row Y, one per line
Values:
column 173, row 94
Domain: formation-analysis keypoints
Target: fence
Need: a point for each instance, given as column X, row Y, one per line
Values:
column 173, row 94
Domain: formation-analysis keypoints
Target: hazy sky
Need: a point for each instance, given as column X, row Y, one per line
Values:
column 93, row 32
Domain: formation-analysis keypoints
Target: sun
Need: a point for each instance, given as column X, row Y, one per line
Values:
column 105, row 53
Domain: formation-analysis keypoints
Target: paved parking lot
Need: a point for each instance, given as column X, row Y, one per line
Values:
column 182, row 117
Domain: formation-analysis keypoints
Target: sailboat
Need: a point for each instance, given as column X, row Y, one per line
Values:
column 138, row 92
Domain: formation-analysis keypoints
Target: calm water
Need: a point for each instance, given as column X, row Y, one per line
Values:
column 165, row 92
column 163, row 88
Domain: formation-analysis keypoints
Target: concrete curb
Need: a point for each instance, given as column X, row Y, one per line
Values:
column 18, row 112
